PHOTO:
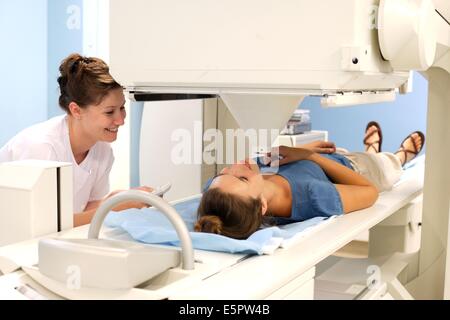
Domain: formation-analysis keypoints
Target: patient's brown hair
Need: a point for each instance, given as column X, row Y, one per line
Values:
column 228, row 214
column 84, row 81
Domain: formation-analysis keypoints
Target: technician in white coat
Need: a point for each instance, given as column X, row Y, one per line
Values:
column 95, row 109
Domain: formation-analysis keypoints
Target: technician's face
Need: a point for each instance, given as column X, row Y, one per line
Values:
column 242, row 179
column 102, row 121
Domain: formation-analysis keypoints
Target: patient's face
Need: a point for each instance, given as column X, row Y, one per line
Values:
column 242, row 179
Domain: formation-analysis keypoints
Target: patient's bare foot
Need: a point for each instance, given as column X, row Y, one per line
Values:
column 410, row 147
column 373, row 137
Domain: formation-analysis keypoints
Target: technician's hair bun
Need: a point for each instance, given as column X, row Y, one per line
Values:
column 84, row 80
column 72, row 65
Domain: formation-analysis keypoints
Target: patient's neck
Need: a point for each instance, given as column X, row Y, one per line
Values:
column 277, row 192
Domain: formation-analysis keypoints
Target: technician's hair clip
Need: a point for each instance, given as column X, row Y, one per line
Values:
column 74, row 66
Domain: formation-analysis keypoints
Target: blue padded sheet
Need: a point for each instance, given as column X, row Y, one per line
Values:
column 151, row 226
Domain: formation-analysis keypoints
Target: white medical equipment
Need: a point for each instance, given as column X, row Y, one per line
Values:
column 35, row 199
column 161, row 190
column 261, row 58
column 112, row 264
column 216, row 275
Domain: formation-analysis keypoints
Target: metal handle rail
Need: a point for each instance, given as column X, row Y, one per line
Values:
column 155, row 201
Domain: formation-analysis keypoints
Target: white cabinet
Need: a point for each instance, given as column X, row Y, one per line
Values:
column 300, row 288
column 171, row 146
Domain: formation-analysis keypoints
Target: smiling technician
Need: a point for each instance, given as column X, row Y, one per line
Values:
column 95, row 109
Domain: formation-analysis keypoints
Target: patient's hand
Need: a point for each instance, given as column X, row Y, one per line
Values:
column 284, row 155
column 320, row 146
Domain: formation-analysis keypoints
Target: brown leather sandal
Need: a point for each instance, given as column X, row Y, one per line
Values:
column 414, row 152
column 380, row 135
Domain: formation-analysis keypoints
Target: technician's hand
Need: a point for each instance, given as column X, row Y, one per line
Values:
column 320, row 146
column 284, row 155
column 131, row 204
column 144, row 188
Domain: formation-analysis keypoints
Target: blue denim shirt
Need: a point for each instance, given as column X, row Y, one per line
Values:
column 313, row 193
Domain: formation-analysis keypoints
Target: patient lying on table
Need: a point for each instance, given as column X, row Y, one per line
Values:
column 312, row 180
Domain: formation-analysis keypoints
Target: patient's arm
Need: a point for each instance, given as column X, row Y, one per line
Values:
column 338, row 173
column 320, row 146
column 356, row 192
column 356, row 197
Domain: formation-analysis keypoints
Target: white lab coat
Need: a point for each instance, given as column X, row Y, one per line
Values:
column 49, row 140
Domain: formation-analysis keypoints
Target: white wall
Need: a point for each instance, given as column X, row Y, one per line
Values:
column 96, row 44
column 160, row 121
